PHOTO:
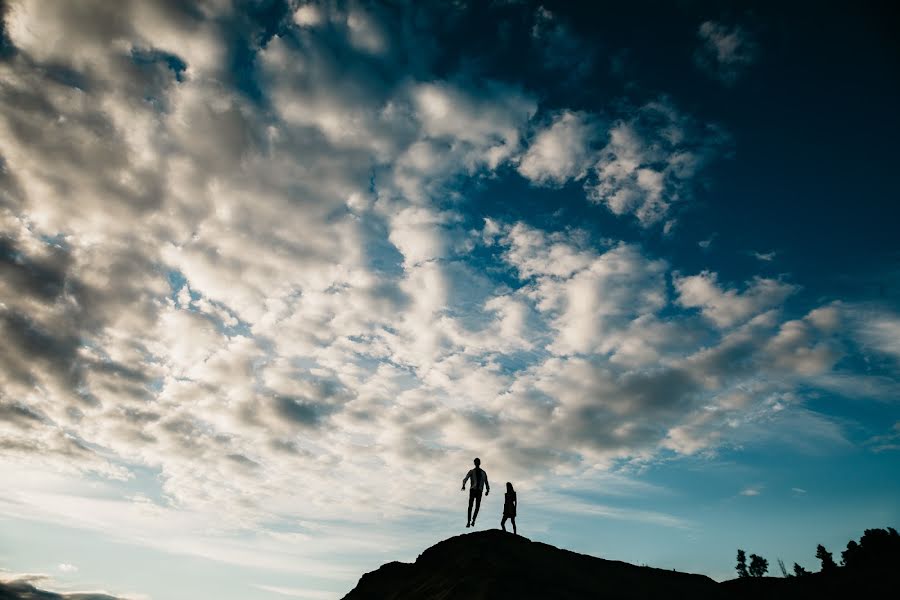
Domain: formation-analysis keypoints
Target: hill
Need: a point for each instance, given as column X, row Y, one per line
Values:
column 496, row 565
column 24, row 589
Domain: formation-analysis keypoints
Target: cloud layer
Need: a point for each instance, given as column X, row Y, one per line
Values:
column 255, row 289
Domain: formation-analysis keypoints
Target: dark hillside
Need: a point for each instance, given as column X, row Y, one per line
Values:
column 23, row 589
column 490, row 565
column 493, row 564
column 843, row 585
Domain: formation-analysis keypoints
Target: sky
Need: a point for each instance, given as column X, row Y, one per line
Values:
column 272, row 273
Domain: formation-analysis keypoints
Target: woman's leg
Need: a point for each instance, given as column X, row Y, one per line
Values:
column 513, row 519
column 503, row 523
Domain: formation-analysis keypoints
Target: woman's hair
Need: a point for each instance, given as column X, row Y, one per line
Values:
column 509, row 487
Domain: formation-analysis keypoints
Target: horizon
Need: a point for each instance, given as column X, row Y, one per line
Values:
column 273, row 273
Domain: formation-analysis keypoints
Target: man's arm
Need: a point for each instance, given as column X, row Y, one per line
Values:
column 487, row 486
column 466, row 478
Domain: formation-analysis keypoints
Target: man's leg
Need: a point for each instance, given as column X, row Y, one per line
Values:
column 471, row 500
column 477, row 506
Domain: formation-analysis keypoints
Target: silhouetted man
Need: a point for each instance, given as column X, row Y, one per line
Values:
column 479, row 482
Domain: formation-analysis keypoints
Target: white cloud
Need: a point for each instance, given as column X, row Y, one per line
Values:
column 560, row 152
column 649, row 162
column 598, row 294
column 67, row 567
column 874, row 329
column 728, row 307
column 535, row 253
column 800, row 349
column 308, row 15
column 419, row 234
column 365, row 32
column 765, row 256
column 94, row 38
column 752, row 491
column 488, row 126
column 880, row 331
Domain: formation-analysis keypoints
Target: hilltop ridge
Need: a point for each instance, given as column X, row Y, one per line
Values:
column 496, row 565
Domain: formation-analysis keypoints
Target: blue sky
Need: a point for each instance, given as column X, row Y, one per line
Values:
column 273, row 273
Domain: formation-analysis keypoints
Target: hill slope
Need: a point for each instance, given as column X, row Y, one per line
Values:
column 23, row 589
column 496, row 565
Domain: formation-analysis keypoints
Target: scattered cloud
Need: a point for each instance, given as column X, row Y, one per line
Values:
column 887, row 441
column 755, row 490
column 67, row 568
column 308, row 15
column 725, row 52
column 562, row 151
column 879, row 330
column 728, row 307
column 650, row 161
column 246, row 297
column 562, row 504
column 365, row 32
column 643, row 164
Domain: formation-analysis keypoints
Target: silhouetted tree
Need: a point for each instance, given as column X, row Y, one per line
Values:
column 742, row 564
column 800, row 571
column 877, row 549
column 828, row 564
column 850, row 556
column 758, row 566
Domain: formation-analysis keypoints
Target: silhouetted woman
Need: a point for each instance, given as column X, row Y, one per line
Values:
column 509, row 507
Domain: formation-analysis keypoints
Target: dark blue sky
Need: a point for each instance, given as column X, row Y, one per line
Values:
column 813, row 125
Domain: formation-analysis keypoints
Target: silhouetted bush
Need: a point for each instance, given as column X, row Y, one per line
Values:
column 758, row 566
column 828, row 564
column 741, row 567
column 800, row 571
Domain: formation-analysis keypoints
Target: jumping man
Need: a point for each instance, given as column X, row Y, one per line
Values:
column 479, row 482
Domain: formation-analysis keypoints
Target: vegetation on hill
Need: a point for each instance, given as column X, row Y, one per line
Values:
column 877, row 550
